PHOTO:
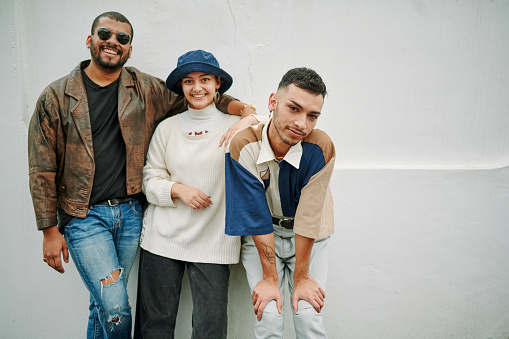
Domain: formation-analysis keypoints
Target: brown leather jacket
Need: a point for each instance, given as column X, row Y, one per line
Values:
column 60, row 151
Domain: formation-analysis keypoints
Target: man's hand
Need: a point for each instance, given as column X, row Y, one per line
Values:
column 265, row 291
column 303, row 286
column 53, row 246
column 192, row 197
column 308, row 289
column 243, row 123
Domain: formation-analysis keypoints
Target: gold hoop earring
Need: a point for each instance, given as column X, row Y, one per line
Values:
column 216, row 97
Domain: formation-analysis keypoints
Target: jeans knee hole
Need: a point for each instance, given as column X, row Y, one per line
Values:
column 112, row 278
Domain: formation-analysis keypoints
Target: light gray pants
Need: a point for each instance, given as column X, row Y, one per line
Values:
column 307, row 322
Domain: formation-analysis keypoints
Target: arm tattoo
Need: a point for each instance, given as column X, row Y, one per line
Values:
column 269, row 254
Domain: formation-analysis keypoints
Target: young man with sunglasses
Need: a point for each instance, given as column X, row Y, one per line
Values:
column 87, row 142
column 278, row 197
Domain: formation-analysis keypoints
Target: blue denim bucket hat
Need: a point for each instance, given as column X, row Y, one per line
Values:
column 197, row 61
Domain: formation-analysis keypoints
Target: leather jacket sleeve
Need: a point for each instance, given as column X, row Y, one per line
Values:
column 42, row 158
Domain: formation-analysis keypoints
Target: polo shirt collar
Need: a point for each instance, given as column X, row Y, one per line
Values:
column 266, row 154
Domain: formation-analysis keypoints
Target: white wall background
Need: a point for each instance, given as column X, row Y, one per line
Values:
column 418, row 110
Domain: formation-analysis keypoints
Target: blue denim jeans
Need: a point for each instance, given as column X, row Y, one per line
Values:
column 103, row 242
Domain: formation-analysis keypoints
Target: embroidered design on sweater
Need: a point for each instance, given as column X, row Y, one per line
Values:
column 197, row 133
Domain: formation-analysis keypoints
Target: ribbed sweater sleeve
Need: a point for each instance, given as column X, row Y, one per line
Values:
column 157, row 181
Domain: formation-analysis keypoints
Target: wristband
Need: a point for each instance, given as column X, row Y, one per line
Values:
column 246, row 105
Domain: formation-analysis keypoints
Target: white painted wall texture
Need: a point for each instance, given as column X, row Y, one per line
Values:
column 418, row 110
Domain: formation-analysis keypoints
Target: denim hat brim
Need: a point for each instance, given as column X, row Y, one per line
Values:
column 173, row 80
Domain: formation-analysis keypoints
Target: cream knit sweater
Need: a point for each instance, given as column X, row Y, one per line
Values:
column 170, row 227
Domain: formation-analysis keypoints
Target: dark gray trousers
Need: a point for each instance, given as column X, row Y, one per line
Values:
column 159, row 285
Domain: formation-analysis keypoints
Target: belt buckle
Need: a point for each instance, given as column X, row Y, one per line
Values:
column 112, row 204
column 282, row 220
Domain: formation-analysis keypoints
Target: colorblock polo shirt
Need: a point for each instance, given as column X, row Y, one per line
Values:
column 259, row 187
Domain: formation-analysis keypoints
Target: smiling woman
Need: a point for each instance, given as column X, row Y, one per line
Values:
column 183, row 226
column 200, row 88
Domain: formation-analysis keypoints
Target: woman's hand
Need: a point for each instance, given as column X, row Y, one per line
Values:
column 243, row 123
column 192, row 197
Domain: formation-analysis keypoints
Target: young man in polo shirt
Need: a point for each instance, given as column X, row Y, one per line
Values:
column 278, row 197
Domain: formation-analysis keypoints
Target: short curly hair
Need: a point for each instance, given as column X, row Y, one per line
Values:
column 304, row 78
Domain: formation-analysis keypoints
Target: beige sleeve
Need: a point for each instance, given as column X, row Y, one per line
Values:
column 315, row 213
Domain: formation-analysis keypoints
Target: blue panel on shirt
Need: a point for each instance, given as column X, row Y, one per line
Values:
column 292, row 180
column 247, row 211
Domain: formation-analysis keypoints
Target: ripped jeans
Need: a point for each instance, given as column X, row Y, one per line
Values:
column 103, row 246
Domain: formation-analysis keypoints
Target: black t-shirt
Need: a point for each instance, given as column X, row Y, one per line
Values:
column 109, row 145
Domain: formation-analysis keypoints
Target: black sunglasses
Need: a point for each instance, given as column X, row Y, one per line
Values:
column 105, row 34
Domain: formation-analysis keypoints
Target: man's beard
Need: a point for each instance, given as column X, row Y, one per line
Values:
column 96, row 56
column 278, row 126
